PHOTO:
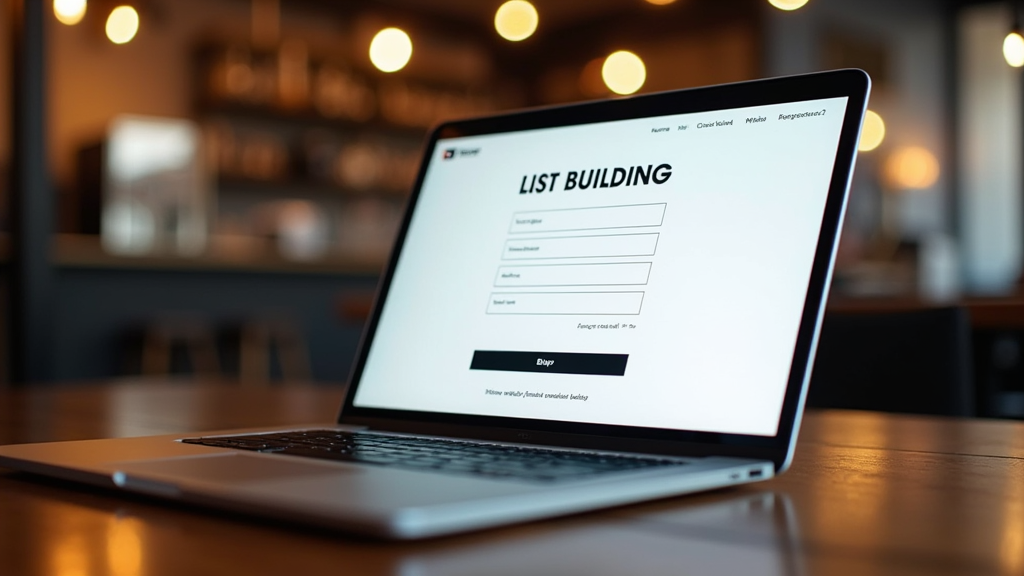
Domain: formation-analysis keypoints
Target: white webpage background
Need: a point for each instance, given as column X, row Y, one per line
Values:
column 713, row 344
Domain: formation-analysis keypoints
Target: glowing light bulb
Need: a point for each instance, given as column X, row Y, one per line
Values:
column 911, row 168
column 516, row 20
column 122, row 24
column 623, row 72
column 872, row 133
column 1013, row 49
column 788, row 4
column 390, row 50
column 69, row 12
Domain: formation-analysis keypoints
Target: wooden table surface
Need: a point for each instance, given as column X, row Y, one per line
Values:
column 868, row 494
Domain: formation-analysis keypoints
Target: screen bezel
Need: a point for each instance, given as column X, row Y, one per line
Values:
column 852, row 84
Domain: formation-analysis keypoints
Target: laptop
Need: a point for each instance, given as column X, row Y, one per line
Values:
column 587, row 306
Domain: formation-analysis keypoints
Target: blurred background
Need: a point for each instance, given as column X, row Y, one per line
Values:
column 211, row 186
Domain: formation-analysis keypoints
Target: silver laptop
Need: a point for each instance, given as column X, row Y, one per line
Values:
column 587, row 306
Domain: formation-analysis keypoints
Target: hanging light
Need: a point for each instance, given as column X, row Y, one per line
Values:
column 516, row 20
column 122, row 24
column 872, row 132
column 788, row 5
column 1013, row 49
column 390, row 50
column 623, row 72
column 69, row 12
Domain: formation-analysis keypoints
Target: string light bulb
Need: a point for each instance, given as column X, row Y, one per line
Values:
column 390, row 50
column 69, row 12
column 1013, row 49
column 788, row 5
column 516, row 20
column 623, row 72
column 872, row 132
column 122, row 24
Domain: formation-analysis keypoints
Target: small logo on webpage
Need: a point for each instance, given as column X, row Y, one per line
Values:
column 449, row 154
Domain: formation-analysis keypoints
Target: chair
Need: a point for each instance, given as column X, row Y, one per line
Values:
column 265, row 342
column 916, row 362
column 163, row 335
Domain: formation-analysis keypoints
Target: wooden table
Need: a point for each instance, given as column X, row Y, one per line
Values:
column 868, row 494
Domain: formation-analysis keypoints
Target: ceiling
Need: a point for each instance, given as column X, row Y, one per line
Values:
column 554, row 14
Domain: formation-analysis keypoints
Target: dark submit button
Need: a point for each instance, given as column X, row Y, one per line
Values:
column 551, row 362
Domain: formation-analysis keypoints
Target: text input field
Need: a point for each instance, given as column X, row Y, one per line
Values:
column 632, row 216
column 581, row 247
column 615, row 274
column 566, row 303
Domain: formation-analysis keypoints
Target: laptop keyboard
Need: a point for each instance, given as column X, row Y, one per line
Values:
column 440, row 455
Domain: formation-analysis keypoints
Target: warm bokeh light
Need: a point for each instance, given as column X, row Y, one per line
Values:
column 390, row 50
column 516, row 20
column 122, row 24
column 623, row 72
column 69, row 12
column 787, row 4
column 1013, row 49
column 872, row 133
column 660, row 2
column 911, row 168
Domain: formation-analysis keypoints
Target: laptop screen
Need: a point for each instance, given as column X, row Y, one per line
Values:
column 648, row 272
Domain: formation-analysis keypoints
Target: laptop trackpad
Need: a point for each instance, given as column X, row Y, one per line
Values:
column 227, row 469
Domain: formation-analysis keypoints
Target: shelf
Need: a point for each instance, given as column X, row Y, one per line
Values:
column 82, row 251
column 305, row 119
column 304, row 186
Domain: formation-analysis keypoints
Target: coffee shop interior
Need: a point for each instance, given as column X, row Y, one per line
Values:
column 197, row 198
column 209, row 188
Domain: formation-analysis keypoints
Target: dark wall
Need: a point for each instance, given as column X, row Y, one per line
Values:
column 97, row 311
